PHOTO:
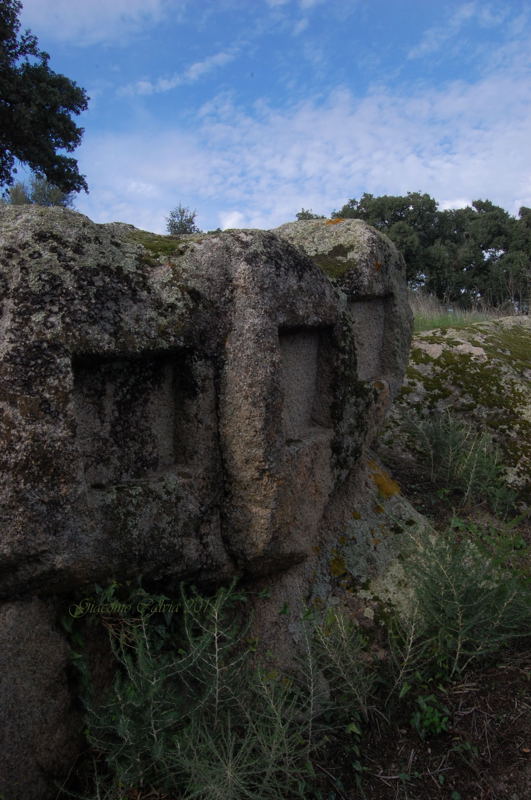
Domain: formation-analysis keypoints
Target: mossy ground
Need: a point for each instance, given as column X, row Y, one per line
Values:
column 485, row 383
column 161, row 246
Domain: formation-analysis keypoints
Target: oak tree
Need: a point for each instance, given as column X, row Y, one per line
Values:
column 36, row 108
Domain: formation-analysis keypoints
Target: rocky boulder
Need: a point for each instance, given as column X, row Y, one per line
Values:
column 166, row 403
column 368, row 269
column 188, row 408
column 40, row 728
column 481, row 374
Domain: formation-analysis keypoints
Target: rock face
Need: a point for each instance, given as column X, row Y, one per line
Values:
column 185, row 408
column 480, row 372
column 368, row 269
column 167, row 415
column 39, row 727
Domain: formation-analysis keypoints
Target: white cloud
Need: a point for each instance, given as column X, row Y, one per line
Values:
column 231, row 219
column 189, row 75
column 300, row 26
column 304, row 5
column 258, row 168
column 88, row 22
column 198, row 69
column 436, row 37
column 458, row 202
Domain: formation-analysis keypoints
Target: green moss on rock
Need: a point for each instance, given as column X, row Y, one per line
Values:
column 512, row 342
column 335, row 263
column 158, row 245
column 488, row 387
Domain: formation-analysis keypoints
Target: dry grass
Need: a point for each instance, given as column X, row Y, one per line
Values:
column 430, row 313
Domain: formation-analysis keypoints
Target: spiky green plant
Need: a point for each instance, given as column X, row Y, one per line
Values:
column 462, row 458
column 190, row 712
column 464, row 608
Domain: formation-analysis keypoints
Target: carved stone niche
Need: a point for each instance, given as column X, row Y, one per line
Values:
column 128, row 423
column 306, row 385
column 370, row 316
column 149, row 461
column 305, row 378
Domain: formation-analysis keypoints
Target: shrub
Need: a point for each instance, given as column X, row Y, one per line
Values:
column 181, row 220
column 341, row 654
column 465, row 608
column 189, row 712
column 461, row 458
column 193, row 713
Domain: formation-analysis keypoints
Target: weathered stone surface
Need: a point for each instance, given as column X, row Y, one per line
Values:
column 481, row 373
column 94, row 341
column 40, row 730
column 354, row 562
column 184, row 408
column 369, row 270
column 191, row 408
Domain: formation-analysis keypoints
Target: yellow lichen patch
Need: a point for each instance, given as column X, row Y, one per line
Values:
column 378, row 508
column 356, row 515
column 387, row 487
column 337, row 566
column 334, row 221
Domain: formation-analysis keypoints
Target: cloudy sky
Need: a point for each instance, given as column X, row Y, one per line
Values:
column 249, row 110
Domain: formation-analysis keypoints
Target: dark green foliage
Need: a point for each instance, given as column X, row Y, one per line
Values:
column 40, row 192
column 466, row 256
column 430, row 717
column 193, row 714
column 36, row 108
column 306, row 213
column 466, row 607
column 190, row 714
column 181, row 220
column 461, row 460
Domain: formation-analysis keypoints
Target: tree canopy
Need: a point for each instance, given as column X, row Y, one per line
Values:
column 465, row 256
column 307, row 213
column 36, row 108
column 181, row 220
column 39, row 192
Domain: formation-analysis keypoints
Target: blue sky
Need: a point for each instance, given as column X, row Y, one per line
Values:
column 249, row 110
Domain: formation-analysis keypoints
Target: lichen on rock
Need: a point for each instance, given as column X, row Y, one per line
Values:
column 194, row 408
column 481, row 373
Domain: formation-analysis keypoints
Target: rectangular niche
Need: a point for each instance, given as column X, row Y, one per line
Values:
column 369, row 332
column 305, row 376
column 127, row 416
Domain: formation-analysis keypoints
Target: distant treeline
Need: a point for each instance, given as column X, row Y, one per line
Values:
column 478, row 255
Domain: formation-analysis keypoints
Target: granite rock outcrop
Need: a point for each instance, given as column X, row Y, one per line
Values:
column 190, row 408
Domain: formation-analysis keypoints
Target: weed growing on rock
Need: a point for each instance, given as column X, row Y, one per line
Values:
column 189, row 713
column 465, row 608
column 462, row 460
column 429, row 313
column 193, row 713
